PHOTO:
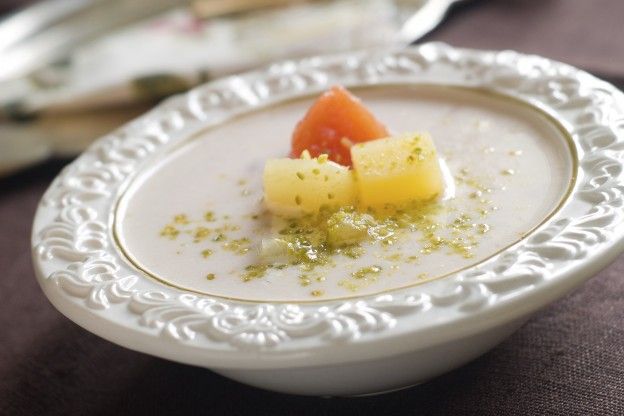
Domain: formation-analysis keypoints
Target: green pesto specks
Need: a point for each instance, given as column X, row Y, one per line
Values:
column 238, row 246
column 201, row 233
column 254, row 271
column 313, row 239
column 361, row 278
column 353, row 251
column 312, row 243
column 305, row 280
column 219, row 237
column 394, row 257
column 181, row 219
column 483, row 228
column 366, row 272
column 169, row 231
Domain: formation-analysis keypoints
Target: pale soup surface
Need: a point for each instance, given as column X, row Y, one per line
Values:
column 196, row 218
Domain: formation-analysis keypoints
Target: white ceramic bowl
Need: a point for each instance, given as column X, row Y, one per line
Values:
column 358, row 345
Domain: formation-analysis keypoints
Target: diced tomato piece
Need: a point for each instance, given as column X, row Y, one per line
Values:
column 336, row 120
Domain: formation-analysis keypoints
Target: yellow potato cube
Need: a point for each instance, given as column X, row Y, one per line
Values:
column 300, row 186
column 397, row 170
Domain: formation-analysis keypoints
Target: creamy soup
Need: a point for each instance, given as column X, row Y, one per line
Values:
column 196, row 219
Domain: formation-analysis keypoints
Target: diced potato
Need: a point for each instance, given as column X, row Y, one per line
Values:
column 299, row 186
column 396, row 170
column 274, row 250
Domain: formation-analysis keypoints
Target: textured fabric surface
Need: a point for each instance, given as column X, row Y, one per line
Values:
column 583, row 33
column 567, row 360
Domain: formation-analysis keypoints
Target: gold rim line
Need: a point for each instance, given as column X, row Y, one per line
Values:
column 177, row 146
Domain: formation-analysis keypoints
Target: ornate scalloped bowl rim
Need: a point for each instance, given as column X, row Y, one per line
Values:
column 93, row 284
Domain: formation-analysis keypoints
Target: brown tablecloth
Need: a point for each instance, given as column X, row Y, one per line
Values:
column 567, row 360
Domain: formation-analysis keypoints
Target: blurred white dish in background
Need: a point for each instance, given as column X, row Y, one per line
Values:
column 65, row 105
column 178, row 49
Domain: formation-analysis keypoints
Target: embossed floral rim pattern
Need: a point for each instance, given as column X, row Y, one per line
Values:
column 90, row 281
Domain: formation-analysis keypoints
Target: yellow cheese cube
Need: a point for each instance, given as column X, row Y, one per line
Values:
column 300, row 186
column 397, row 170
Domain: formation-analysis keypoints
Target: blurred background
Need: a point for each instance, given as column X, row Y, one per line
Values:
column 73, row 70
